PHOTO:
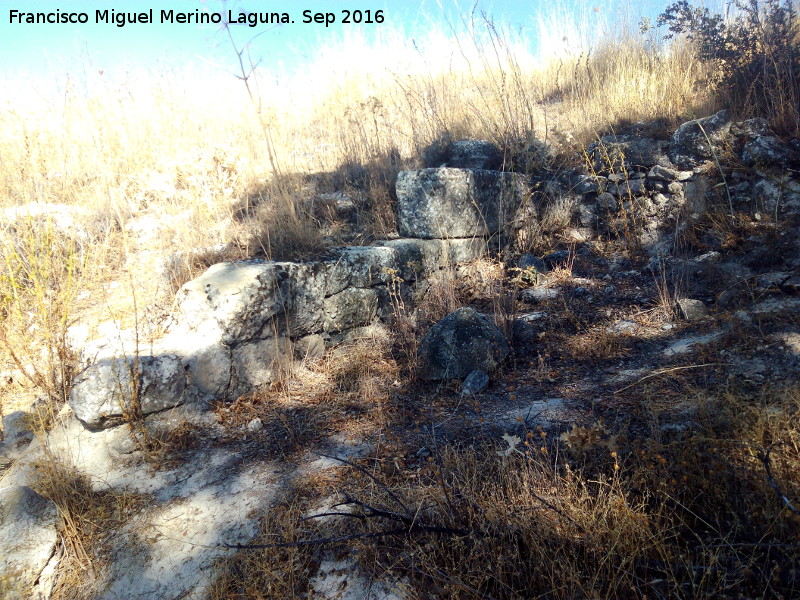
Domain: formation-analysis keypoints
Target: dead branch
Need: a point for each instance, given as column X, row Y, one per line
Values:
column 764, row 458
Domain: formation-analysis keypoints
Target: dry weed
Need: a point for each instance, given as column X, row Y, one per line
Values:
column 86, row 520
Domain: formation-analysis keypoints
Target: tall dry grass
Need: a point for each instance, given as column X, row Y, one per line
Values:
column 145, row 139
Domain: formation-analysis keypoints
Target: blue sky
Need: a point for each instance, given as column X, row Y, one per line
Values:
column 44, row 48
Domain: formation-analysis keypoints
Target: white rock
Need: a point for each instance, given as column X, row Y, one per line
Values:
column 102, row 393
column 28, row 535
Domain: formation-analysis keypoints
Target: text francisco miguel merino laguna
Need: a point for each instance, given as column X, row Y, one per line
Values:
column 196, row 17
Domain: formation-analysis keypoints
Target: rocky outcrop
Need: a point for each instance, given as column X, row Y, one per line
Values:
column 697, row 141
column 463, row 342
column 28, row 537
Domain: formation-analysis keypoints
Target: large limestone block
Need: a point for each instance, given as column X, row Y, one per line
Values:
column 464, row 251
column 258, row 363
column 768, row 151
column 206, row 359
column 418, row 258
column 350, row 308
column 234, row 301
column 304, row 293
column 103, row 392
column 463, row 342
column 618, row 153
column 360, row 267
column 28, row 535
column 457, row 203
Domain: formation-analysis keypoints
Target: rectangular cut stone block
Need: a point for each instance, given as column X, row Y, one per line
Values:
column 257, row 363
column 305, row 292
column 234, row 300
column 350, row 308
column 418, row 258
column 457, row 203
column 360, row 267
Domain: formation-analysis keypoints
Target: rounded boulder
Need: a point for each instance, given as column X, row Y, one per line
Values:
column 463, row 342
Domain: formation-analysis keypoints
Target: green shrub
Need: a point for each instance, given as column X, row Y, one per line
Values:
column 754, row 55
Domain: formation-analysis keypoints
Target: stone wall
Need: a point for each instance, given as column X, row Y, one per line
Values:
column 237, row 324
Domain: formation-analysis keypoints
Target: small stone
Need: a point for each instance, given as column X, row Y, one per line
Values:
column 607, row 202
column 578, row 235
column 633, row 187
column 586, row 215
column 536, row 295
column 529, row 261
column 622, row 327
column 660, row 199
column 708, row 258
column 255, row 425
column 588, row 185
column 662, row 174
column 475, row 383
column 532, row 316
column 692, row 310
column 675, row 188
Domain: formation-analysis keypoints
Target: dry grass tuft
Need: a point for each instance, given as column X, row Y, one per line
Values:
column 345, row 392
column 273, row 572
column 87, row 518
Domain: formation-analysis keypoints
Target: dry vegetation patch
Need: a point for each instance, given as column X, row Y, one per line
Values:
column 87, row 519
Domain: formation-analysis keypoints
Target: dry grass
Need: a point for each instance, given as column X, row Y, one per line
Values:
column 271, row 572
column 346, row 392
column 86, row 518
column 617, row 519
column 38, row 275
